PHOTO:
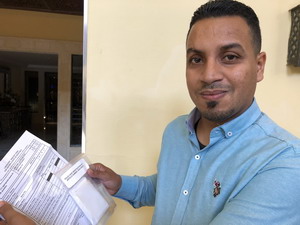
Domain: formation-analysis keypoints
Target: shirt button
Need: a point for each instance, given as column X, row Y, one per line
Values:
column 185, row 192
column 197, row 157
column 229, row 134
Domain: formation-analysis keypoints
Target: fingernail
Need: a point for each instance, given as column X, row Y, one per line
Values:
column 1, row 203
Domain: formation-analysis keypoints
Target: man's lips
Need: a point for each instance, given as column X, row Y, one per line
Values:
column 213, row 94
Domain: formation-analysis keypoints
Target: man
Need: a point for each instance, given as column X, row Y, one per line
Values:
column 226, row 162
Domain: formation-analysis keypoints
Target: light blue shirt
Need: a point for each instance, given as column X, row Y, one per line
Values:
column 248, row 174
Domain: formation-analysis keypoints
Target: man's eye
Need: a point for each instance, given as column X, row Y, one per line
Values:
column 195, row 60
column 230, row 57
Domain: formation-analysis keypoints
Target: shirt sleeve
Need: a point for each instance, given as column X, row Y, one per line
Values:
column 138, row 191
column 271, row 197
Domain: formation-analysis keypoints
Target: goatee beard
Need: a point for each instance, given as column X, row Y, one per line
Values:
column 215, row 115
column 211, row 105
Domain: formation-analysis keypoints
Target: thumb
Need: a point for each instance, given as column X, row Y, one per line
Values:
column 6, row 210
column 13, row 217
column 96, row 170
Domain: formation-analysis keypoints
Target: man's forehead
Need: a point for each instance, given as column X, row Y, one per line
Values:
column 228, row 31
column 227, row 22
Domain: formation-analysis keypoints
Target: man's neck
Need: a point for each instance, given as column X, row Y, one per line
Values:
column 203, row 130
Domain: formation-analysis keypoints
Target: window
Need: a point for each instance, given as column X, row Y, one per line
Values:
column 76, row 101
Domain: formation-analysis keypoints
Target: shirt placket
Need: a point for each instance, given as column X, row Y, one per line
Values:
column 187, row 186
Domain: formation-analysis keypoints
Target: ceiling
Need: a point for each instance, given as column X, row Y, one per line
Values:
column 74, row 7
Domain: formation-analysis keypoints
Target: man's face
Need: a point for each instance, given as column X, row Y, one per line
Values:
column 222, row 68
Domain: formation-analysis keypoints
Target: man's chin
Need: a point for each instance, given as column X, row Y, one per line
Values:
column 216, row 115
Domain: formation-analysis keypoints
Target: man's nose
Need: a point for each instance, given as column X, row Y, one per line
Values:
column 211, row 72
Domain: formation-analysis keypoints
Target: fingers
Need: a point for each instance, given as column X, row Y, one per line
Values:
column 97, row 167
column 110, row 180
column 97, row 170
column 12, row 217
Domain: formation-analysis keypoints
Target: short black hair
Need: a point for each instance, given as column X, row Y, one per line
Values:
column 221, row 8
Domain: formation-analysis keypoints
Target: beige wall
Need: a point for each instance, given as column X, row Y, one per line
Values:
column 278, row 94
column 41, row 25
column 135, row 81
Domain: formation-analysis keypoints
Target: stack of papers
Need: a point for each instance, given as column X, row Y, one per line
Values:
column 28, row 182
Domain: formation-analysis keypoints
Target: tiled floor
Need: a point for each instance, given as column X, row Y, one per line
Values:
column 48, row 135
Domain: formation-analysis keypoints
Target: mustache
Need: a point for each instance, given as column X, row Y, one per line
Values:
column 215, row 86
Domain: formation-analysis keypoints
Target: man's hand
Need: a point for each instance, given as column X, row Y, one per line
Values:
column 12, row 217
column 111, row 181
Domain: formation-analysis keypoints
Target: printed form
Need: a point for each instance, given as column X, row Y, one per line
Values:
column 28, row 183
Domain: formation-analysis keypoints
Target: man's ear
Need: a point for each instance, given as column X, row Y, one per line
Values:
column 261, row 62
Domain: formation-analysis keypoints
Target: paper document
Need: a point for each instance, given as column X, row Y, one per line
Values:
column 92, row 197
column 27, row 181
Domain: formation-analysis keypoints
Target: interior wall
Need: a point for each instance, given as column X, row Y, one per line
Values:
column 278, row 94
column 41, row 25
column 135, row 81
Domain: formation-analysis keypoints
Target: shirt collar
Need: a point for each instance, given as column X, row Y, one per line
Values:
column 232, row 127
column 192, row 119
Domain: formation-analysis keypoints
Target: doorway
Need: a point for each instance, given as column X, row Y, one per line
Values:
column 28, row 99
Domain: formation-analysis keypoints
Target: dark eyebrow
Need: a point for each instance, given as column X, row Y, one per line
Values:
column 223, row 48
column 231, row 46
column 192, row 50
